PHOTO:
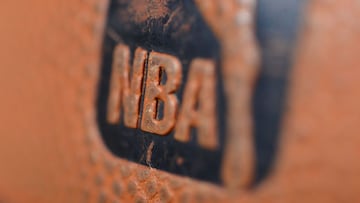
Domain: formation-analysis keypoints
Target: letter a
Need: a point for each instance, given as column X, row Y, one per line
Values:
column 200, row 88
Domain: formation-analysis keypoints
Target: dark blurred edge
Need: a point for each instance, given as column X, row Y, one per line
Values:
column 278, row 23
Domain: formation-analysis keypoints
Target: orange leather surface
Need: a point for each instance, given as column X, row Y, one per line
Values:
column 50, row 150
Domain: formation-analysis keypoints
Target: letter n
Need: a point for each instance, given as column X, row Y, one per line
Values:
column 124, row 93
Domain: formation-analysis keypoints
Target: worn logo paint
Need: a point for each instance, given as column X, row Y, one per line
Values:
column 162, row 76
column 161, row 98
column 184, row 88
